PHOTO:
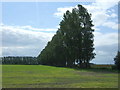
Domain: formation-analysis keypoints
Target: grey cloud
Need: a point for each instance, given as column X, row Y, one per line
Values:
column 15, row 51
column 22, row 42
column 105, row 54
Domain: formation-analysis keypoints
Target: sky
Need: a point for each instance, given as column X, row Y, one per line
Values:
column 27, row 27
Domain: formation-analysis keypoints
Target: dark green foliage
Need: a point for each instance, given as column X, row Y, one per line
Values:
column 19, row 60
column 54, row 53
column 117, row 61
column 73, row 42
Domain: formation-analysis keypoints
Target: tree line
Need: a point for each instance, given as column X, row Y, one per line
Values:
column 73, row 42
column 19, row 60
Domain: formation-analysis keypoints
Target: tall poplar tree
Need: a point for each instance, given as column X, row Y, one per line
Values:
column 76, row 28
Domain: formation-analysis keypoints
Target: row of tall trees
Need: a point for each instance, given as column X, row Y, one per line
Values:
column 73, row 42
column 19, row 60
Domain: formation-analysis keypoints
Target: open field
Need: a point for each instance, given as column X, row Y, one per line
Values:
column 100, row 66
column 39, row 76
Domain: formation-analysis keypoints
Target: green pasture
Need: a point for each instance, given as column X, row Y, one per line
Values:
column 39, row 76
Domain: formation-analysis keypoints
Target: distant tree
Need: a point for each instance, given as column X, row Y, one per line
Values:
column 117, row 60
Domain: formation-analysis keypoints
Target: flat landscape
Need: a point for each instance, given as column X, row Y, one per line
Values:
column 40, row 76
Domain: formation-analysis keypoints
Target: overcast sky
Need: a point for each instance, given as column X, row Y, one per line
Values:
column 28, row 26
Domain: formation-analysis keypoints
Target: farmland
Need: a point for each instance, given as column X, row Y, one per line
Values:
column 40, row 76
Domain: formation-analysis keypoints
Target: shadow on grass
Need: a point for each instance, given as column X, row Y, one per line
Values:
column 98, row 70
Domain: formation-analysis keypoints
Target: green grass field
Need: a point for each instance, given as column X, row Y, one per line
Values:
column 39, row 76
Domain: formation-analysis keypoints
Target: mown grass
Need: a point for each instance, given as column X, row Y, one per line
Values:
column 39, row 76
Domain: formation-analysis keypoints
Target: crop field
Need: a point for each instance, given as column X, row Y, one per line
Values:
column 40, row 76
column 102, row 66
